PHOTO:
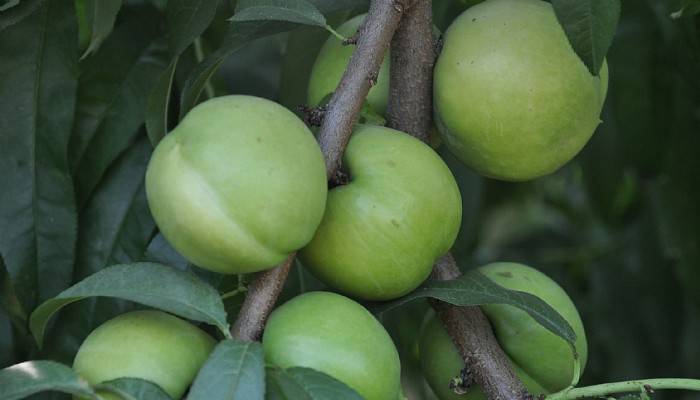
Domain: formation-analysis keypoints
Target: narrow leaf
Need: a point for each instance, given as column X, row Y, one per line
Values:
column 115, row 227
column 590, row 26
column 187, row 20
column 237, row 36
column 475, row 289
column 154, row 285
column 25, row 379
column 112, row 96
column 101, row 15
column 133, row 389
column 234, row 370
column 158, row 105
column 688, row 9
column 297, row 11
column 37, row 204
column 18, row 11
column 306, row 383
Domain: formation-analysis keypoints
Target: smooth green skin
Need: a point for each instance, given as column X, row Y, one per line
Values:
column 150, row 345
column 335, row 335
column 543, row 360
column 512, row 99
column 238, row 185
column 331, row 63
column 382, row 231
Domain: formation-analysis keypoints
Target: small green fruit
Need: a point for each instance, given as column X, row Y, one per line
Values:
column 238, row 185
column 331, row 63
column 512, row 99
column 383, row 230
column 150, row 345
column 335, row 335
column 542, row 360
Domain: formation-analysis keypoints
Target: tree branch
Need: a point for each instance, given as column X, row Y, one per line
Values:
column 260, row 300
column 372, row 43
column 410, row 110
column 343, row 109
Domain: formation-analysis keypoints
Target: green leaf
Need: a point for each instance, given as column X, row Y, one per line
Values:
column 38, row 216
column 590, row 26
column 159, row 104
column 101, row 15
column 16, row 11
column 114, row 86
column 306, row 383
column 186, row 20
column 154, row 285
column 302, row 48
column 25, row 379
column 115, row 227
column 475, row 289
column 238, row 35
column 297, row 11
column 133, row 389
column 234, row 370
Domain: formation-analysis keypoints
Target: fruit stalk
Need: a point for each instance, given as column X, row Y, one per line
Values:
column 410, row 110
column 343, row 109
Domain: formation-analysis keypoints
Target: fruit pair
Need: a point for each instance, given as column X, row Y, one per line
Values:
column 320, row 330
column 241, row 182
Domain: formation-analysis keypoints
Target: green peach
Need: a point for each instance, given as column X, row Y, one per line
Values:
column 511, row 97
column 335, row 335
column 331, row 63
column 541, row 359
column 150, row 345
column 383, row 230
column 238, row 185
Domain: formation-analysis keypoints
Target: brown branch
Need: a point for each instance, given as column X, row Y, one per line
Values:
column 343, row 109
column 411, row 84
column 260, row 300
column 372, row 43
column 410, row 110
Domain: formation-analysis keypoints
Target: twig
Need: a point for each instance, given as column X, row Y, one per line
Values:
column 343, row 109
column 410, row 110
column 647, row 386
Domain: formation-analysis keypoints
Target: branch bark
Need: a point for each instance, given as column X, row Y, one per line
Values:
column 410, row 110
column 373, row 41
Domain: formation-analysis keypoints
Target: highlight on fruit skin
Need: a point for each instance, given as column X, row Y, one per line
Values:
column 333, row 334
column 382, row 232
column 238, row 185
column 543, row 361
column 150, row 345
column 512, row 99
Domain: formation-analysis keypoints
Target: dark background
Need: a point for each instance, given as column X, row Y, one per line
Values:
column 618, row 227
